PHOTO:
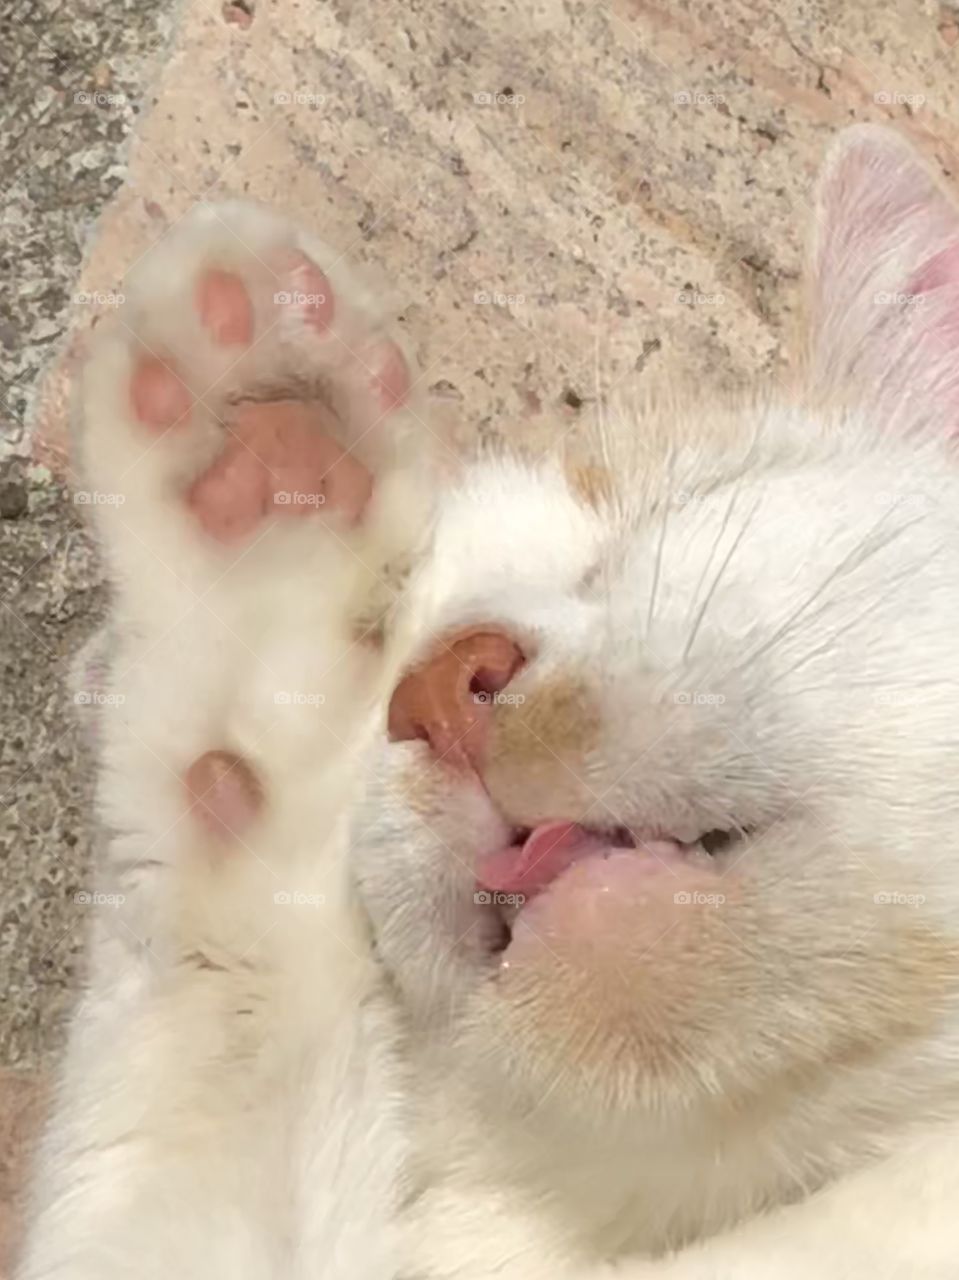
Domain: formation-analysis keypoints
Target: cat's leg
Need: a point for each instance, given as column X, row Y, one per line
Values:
column 257, row 473
column 893, row 1220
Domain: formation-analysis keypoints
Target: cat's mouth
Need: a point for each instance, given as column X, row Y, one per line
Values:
column 539, row 857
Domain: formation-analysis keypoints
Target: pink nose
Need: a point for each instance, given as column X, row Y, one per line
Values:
column 448, row 701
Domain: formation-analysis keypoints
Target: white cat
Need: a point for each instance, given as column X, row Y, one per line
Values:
column 634, row 951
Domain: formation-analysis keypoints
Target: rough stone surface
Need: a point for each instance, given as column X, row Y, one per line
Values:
column 74, row 77
column 63, row 158
column 74, row 81
column 51, row 594
column 558, row 196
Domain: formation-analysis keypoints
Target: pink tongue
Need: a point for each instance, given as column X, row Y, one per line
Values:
column 549, row 850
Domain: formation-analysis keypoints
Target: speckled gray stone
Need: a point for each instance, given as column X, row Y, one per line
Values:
column 51, row 596
column 74, row 78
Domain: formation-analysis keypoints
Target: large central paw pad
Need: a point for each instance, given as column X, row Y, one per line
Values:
column 281, row 458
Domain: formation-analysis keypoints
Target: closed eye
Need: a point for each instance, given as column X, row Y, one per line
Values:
column 719, row 841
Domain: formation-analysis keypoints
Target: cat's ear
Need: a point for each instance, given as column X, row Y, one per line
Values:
column 883, row 284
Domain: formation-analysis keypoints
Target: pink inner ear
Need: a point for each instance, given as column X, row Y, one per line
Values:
column 885, row 300
column 940, row 270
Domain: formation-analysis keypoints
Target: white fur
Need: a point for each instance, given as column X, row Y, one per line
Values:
column 253, row 1090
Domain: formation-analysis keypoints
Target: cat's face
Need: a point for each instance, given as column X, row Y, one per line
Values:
column 729, row 750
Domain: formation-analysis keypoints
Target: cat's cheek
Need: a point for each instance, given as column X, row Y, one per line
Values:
column 605, row 911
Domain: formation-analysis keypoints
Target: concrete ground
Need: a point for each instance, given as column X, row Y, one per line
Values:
column 557, row 195
column 63, row 158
